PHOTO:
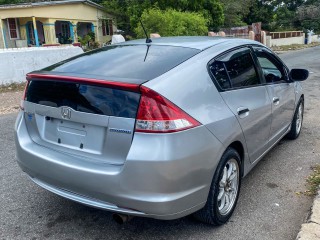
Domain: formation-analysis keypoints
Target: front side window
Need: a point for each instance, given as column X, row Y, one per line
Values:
column 273, row 70
column 235, row 70
column 13, row 28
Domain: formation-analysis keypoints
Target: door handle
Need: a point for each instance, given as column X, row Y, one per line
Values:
column 276, row 100
column 243, row 112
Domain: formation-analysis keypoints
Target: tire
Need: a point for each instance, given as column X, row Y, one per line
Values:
column 297, row 120
column 217, row 211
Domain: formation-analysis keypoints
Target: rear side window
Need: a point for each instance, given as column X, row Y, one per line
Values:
column 84, row 98
column 142, row 62
column 235, row 70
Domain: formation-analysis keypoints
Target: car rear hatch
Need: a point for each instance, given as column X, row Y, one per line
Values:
column 96, row 122
column 72, row 108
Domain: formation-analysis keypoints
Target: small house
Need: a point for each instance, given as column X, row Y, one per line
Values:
column 53, row 23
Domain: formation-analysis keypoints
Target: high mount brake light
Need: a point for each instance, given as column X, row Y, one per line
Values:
column 156, row 114
column 100, row 82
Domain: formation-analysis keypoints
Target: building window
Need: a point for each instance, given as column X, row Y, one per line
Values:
column 107, row 28
column 13, row 28
column 65, row 30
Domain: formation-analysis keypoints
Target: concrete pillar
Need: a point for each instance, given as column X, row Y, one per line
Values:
column 309, row 38
column 251, row 35
column 212, row 34
column 50, row 31
column 23, row 32
column 74, row 31
column 268, row 41
column 23, row 29
column 95, row 28
column 34, row 22
column 2, row 37
column 222, row 34
column 49, row 34
column 263, row 38
column 154, row 35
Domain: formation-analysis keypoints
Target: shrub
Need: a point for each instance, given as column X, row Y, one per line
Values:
column 172, row 23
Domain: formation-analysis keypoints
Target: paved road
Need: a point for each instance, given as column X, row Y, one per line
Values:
column 268, row 206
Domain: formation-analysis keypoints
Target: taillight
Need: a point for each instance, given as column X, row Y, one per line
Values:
column 24, row 95
column 156, row 114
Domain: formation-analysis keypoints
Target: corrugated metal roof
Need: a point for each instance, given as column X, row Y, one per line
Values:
column 49, row 3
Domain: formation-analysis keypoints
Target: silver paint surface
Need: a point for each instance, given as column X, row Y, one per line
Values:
column 163, row 176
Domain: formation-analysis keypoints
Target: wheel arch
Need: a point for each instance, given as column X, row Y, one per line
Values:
column 238, row 146
column 205, row 214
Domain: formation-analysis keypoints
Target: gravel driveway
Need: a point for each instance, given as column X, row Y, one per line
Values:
column 9, row 102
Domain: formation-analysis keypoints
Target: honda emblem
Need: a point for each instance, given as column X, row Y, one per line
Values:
column 66, row 112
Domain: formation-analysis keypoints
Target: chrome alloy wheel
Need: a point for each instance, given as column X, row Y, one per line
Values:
column 299, row 118
column 228, row 187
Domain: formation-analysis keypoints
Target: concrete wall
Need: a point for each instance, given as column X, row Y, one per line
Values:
column 16, row 63
column 315, row 38
column 293, row 40
column 286, row 41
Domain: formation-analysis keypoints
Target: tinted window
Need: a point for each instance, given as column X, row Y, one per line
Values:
column 272, row 69
column 235, row 69
column 130, row 62
column 218, row 70
column 84, row 98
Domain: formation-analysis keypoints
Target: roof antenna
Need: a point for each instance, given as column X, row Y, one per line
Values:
column 148, row 40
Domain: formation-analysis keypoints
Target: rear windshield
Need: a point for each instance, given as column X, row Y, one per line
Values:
column 84, row 98
column 143, row 62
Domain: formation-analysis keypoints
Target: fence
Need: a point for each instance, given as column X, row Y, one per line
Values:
column 244, row 32
column 244, row 36
column 277, row 35
column 271, row 39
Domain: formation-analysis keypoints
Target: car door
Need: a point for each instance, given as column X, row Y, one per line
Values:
column 241, row 88
column 280, row 90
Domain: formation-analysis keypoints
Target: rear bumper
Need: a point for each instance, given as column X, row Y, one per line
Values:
column 165, row 176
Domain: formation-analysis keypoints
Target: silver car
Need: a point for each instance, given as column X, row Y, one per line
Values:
column 161, row 129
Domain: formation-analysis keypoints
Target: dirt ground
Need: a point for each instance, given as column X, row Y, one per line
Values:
column 9, row 102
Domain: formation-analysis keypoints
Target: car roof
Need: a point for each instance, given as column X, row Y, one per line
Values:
column 197, row 42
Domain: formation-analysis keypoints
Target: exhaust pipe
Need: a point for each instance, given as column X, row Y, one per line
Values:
column 120, row 218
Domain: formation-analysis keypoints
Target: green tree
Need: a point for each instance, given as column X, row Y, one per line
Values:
column 261, row 11
column 172, row 23
column 210, row 9
column 309, row 17
column 284, row 13
column 235, row 11
column 9, row 2
column 128, row 12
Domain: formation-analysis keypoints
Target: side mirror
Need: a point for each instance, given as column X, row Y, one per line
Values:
column 299, row 74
